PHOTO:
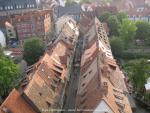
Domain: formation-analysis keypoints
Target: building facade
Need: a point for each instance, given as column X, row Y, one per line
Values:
column 10, row 7
column 34, row 23
column 139, row 14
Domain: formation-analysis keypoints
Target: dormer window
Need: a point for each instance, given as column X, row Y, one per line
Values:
column 90, row 72
column 84, row 76
column 5, row 7
column 83, row 84
column 28, row 5
column 48, row 104
column 1, row 8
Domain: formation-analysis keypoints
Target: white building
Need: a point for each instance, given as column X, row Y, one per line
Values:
column 2, row 39
column 63, row 20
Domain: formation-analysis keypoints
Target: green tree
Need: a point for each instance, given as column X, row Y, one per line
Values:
column 8, row 74
column 117, row 46
column 138, row 72
column 84, row 1
column 143, row 31
column 104, row 17
column 1, row 51
column 127, row 31
column 114, row 25
column 68, row 2
column 121, row 16
column 33, row 49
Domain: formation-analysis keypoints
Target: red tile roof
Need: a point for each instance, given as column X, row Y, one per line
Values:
column 139, row 12
column 16, row 104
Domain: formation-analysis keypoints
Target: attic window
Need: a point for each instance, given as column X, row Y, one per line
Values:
column 57, row 73
column 118, row 97
column 117, row 91
column 40, row 93
column 84, row 76
column 48, row 104
column 58, row 67
column 53, row 88
column 90, row 72
column 83, row 84
column 112, row 67
column 83, row 101
column 120, row 105
column 55, row 81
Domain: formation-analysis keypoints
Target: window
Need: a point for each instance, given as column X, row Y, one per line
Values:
column 55, row 81
column 48, row 104
column 118, row 97
column 10, row 34
column 84, row 76
column 8, row 7
column 58, row 67
column 17, row 6
column 57, row 73
column 27, row 5
column 11, row 7
column 53, row 88
column 5, row 7
column 83, row 101
column 83, row 84
column 20, row 6
column 90, row 72
column 9, row 30
column 40, row 93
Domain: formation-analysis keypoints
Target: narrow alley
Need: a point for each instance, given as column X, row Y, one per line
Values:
column 69, row 106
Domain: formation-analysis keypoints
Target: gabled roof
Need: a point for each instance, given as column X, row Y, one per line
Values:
column 101, row 79
column 139, row 12
column 45, row 87
column 74, row 9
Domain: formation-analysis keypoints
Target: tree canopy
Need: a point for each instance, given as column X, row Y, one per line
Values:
column 143, row 31
column 1, row 51
column 84, row 1
column 114, row 25
column 104, row 17
column 121, row 16
column 127, row 31
column 138, row 72
column 8, row 74
column 117, row 46
column 33, row 49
